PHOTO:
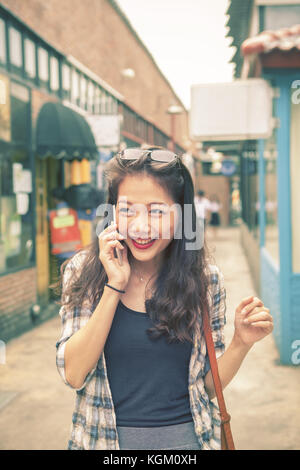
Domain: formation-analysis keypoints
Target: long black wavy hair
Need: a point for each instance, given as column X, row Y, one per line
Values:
column 181, row 287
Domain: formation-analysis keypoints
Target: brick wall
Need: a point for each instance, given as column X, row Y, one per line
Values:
column 38, row 98
column 95, row 34
column 17, row 294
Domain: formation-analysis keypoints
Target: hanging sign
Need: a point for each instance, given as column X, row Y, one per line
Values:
column 228, row 167
column 22, row 179
column 105, row 128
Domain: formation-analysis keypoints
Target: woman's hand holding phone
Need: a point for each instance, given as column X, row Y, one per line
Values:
column 109, row 239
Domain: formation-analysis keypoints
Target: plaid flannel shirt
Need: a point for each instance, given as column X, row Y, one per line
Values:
column 94, row 421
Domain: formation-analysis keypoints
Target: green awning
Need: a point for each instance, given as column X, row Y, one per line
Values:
column 63, row 133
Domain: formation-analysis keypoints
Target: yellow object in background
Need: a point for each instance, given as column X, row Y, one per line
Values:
column 80, row 174
column 85, row 227
column 75, row 172
column 80, row 171
column 85, row 171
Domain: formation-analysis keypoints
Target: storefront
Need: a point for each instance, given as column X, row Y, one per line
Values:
column 16, row 202
column 47, row 140
column 275, row 57
column 64, row 148
column 44, row 144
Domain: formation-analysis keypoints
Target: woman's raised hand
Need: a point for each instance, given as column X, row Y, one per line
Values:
column 253, row 320
column 118, row 276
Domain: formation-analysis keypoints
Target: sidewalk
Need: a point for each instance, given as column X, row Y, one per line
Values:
column 263, row 399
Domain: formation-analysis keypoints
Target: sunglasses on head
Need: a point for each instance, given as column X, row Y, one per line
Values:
column 159, row 155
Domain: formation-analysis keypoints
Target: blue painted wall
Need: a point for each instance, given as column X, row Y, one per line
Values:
column 280, row 288
column 295, row 314
column 270, row 292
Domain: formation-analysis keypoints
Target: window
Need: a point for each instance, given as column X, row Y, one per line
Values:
column 16, row 211
column 83, row 92
column 30, row 64
column 103, row 102
column 90, row 99
column 277, row 16
column 250, row 186
column 114, row 110
column 19, row 114
column 75, row 88
column 295, row 194
column 15, row 47
column 54, row 74
column 2, row 42
column 16, row 224
column 97, row 108
column 43, row 65
column 109, row 106
column 66, row 80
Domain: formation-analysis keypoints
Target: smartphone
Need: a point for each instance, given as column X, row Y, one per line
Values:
column 116, row 250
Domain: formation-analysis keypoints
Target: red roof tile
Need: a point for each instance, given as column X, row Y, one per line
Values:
column 283, row 39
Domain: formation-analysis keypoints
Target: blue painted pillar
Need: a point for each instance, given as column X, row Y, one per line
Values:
column 284, row 213
column 262, row 193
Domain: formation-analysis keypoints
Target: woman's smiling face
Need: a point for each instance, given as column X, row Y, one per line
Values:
column 145, row 214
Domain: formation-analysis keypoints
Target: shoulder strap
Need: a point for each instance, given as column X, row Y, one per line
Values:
column 225, row 416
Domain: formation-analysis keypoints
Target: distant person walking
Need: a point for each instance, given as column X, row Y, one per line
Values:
column 215, row 207
column 202, row 206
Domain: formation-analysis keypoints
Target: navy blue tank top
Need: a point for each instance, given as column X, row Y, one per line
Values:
column 148, row 378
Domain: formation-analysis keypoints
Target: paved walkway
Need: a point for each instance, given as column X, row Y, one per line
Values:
column 263, row 399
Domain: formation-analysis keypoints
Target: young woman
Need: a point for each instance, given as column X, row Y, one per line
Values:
column 131, row 344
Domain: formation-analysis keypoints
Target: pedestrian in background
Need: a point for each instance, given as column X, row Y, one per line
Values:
column 215, row 221
column 131, row 343
column 202, row 206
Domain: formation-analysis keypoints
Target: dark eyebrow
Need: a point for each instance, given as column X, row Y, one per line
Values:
column 154, row 202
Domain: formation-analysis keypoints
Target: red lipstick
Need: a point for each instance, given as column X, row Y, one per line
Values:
column 144, row 246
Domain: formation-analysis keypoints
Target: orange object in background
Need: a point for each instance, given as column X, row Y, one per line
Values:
column 75, row 172
column 85, row 227
column 235, row 197
column 80, row 171
column 64, row 231
column 85, row 171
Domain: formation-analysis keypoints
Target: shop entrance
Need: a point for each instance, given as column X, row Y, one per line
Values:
column 62, row 136
column 49, row 174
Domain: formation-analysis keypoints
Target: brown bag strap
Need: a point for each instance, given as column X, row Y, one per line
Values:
column 225, row 416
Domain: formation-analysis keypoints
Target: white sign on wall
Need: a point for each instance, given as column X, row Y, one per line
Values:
column 22, row 179
column 236, row 110
column 105, row 128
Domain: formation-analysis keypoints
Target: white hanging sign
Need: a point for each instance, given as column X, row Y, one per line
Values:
column 105, row 128
column 237, row 110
